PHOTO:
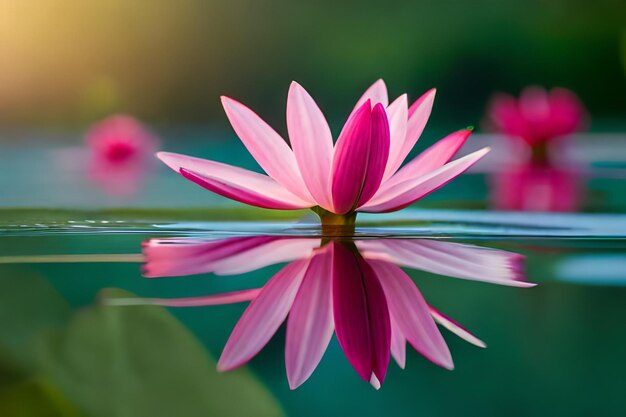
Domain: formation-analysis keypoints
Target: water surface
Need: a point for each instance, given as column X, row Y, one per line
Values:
column 553, row 349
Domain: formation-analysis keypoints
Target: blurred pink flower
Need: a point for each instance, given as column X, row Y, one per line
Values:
column 358, row 173
column 355, row 289
column 537, row 187
column 121, row 149
column 538, row 115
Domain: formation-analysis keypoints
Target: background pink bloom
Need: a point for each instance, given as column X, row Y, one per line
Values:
column 537, row 115
column 121, row 153
column 355, row 289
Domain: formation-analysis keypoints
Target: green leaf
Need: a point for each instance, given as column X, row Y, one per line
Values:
column 34, row 397
column 29, row 306
column 140, row 361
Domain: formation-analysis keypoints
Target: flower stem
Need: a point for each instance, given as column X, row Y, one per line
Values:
column 540, row 153
column 336, row 224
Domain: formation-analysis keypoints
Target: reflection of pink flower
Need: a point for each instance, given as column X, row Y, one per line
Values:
column 359, row 173
column 121, row 149
column 538, row 115
column 536, row 187
column 353, row 288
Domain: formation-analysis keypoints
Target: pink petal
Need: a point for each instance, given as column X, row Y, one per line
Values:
column 419, row 112
column 449, row 259
column 505, row 115
column 398, row 343
column 241, row 194
column 567, row 114
column 204, row 300
column 360, row 158
column 411, row 313
column 180, row 257
column 267, row 147
column 312, row 143
column 409, row 191
column 534, row 104
column 456, row 328
column 432, row 158
column 398, row 115
column 277, row 251
column 377, row 93
column 263, row 316
column 361, row 314
column 233, row 182
column 310, row 325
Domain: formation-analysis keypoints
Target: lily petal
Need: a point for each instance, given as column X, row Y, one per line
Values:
column 398, row 343
column 274, row 252
column 361, row 314
column 233, row 182
column 397, row 112
column 450, row 259
column 312, row 143
column 432, row 158
column 360, row 158
column 242, row 194
column 310, row 324
column 409, row 309
column 180, row 257
column 376, row 93
column 267, row 147
column 409, row 191
column 263, row 316
column 204, row 300
column 456, row 328
column 419, row 112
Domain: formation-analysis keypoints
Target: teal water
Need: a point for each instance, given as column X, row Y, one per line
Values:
column 554, row 349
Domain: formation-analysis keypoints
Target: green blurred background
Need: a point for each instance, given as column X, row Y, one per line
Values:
column 66, row 63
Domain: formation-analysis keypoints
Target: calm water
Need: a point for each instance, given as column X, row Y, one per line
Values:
column 553, row 349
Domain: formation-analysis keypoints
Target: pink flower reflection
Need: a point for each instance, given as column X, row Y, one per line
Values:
column 538, row 116
column 354, row 288
column 121, row 150
column 537, row 187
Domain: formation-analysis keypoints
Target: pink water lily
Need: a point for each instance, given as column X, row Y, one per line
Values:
column 121, row 149
column 361, row 172
column 538, row 116
column 353, row 288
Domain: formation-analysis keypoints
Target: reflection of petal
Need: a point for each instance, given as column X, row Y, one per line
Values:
column 310, row 325
column 263, row 316
column 179, row 257
column 410, row 312
column 449, row 259
column 361, row 314
column 204, row 300
column 353, row 287
column 456, row 328
column 537, row 187
column 398, row 343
